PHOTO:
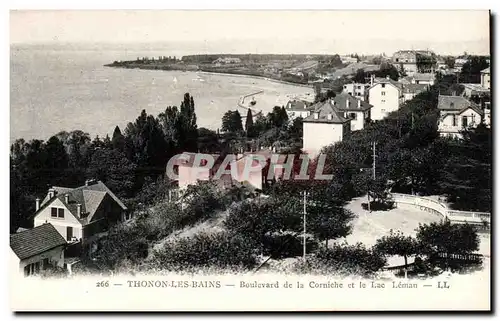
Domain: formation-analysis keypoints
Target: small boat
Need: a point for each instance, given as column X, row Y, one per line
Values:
column 175, row 79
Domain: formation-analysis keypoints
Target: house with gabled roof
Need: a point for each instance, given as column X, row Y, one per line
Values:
column 485, row 78
column 357, row 110
column 297, row 108
column 456, row 114
column 385, row 95
column 325, row 126
column 36, row 249
column 78, row 213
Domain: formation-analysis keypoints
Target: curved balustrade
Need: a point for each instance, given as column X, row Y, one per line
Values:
column 430, row 205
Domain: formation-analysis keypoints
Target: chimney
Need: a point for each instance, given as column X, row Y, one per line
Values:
column 347, row 103
column 66, row 198
column 387, row 77
column 372, row 79
column 79, row 210
column 37, row 204
column 52, row 193
column 359, row 103
column 316, row 115
column 330, row 116
column 90, row 181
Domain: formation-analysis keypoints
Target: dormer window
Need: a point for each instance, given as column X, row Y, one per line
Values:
column 383, row 85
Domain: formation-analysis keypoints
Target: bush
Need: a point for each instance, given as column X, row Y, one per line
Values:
column 280, row 246
column 220, row 250
column 121, row 243
column 350, row 259
column 378, row 206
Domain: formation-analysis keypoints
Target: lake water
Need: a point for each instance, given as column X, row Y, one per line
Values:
column 54, row 89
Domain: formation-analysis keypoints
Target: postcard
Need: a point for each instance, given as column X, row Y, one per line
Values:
column 314, row 160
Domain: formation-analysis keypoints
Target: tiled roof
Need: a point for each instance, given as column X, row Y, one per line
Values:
column 296, row 105
column 456, row 103
column 89, row 196
column 340, row 101
column 35, row 241
column 414, row 88
column 387, row 81
column 424, row 76
column 324, row 109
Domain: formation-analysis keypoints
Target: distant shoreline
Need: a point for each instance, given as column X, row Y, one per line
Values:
column 171, row 68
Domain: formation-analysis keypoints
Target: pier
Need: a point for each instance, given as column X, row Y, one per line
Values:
column 242, row 101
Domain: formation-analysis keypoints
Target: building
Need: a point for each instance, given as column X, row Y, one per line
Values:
column 78, row 213
column 411, row 90
column 385, row 95
column 191, row 170
column 406, row 60
column 474, row 90
column 348, row 60
column 36, row 249
column 325, row 126
column 485, row 78
column 457, row 113
column 360, row 91
column 424, row 78
column 227, row 60
column 358, row 111
column 441, row 64
column 297, row 108
column 460, row 62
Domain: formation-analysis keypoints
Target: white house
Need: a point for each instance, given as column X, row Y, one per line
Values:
column 356, row 110
column 411, row 90
column 385, row 95
column 475, row 89
column 78, row 213
column 360, row 91
column 297, row 108
column 485, row 78
column 424, row 78
column 457, row 113
column 325, row 126
column 36, row 249
column 460, row 61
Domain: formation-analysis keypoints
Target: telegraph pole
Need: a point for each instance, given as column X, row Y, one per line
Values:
column 304, row 219
column 374, row 158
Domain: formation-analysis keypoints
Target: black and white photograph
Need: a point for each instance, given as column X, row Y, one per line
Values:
column 216, row 160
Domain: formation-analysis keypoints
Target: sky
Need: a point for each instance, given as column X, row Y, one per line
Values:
column 263, row 31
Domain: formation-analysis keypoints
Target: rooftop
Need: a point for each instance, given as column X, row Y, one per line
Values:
column 344, row 101
column 414, row 88
column 89, row 196
column 456, row 103
column 296, row 105
column 35, row 241
column 486, row 71
column 326, row 113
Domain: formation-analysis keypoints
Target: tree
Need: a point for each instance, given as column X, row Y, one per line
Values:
column 118, row 140
column 447, row 238
column 466, row 177
column 397, row 244
column 208, row 141
column 231, row 122
column 114, row 169
column 471, row 70
column 249, row 123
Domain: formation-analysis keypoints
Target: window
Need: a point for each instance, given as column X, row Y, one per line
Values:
column 345, row 87
column 452, row 105
column 53, row 212
column 454, row 121
column 397, row 59
column 383, row 93
column 31, row 269
column 359, row 87
column 69, row 233
column 464, row 121
column 352, row 116
column 350, row 94
column 382, row 110
column 60, row 212
column 358, row 94
column 383, row 85
column 383, row 101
